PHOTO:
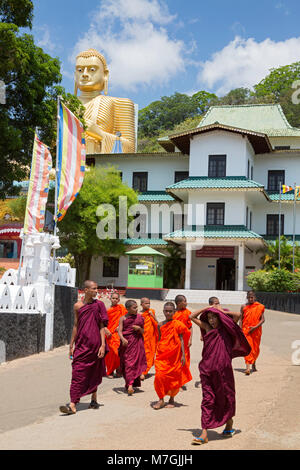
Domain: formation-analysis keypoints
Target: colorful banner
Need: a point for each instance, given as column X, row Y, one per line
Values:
column 286, row 189
column 71, row 160
column 297, row 192
column 38, row 188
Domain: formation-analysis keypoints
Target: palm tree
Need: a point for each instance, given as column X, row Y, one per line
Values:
column 173, row 267
column 270, row 259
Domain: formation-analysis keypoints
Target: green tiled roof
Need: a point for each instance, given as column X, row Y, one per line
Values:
column 145, row 241
column 204, row 182
column 145, row 250
column 284, row 197
column 155, row 196
column 215, row 231
column 266, row 118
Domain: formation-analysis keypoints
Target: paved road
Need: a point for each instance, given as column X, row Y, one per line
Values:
column 268, row 406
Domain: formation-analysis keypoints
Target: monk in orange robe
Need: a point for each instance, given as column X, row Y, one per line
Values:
column 112, row 359
column 150, row 333
column 252, row 318
column 183, row 314
column 171, row 371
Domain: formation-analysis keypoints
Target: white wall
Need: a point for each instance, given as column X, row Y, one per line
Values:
column 288, row 162
column 161, row 170
column 97, row 271
column 237, row 149
column 235, row 205
column 260, row 217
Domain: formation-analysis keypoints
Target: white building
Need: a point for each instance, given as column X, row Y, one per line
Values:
column 225, row 176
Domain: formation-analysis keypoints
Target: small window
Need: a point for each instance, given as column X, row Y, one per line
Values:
column 275, row 178
column 252, row 172
column 273, row 224
column 180, row 176
column 282, row 147
column 90, row 161
column 247, row 215
column 140, row 181
column 217, row 166
column 250, row 223
column 110, row 266
column 215, row 213
column 248, row 170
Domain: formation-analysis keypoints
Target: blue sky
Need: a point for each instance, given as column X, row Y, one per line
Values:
column 157, row 47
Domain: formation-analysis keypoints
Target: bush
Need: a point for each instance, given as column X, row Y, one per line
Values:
column 276, row 280
column 258, row 280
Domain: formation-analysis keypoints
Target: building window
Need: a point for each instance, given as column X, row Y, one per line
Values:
column 282, row 147
column 217, row 166
column 247, row 215
column 252, row 172
column 273, row 224
column 8, row 249
column 275, row 177
column 110, row 266
column 250, row 223
column 180, row 176
column 90, row 161
column 140, row 181
column 248, row 169
column 215, row 213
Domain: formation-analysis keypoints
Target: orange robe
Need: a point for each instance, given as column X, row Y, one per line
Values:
column 169, row 373
column 150, row 338
column 183, row 316
column 251, row 317
column 112, row 359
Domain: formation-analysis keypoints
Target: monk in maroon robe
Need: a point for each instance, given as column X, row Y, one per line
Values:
column 88, row 366
column 132, row 350
column 223, row 340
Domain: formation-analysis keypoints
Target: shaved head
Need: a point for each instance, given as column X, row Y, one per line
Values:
column 88, row 284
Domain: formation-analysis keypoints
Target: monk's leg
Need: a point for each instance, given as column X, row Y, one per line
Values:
column 130, row 390
column 247, row 371
column 72, row 406
column 203, row 439
column 229, row 425
column 254, row 367
column 160, row 404
column 142, row 377
column 172, row 394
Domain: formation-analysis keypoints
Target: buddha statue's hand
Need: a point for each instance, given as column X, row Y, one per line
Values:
column 94, row 130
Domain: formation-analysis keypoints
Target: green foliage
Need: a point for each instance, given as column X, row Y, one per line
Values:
column 77, row 230
column 18, row 207
column 164, row 114
column 270, row 259
column 276, row 280
column 18, row 12
column 173, row 267
column 31, row 80
column 2, row 270
column 69, row 258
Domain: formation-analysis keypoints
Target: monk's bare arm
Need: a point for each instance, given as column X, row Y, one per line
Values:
column 261, row 321
column 182, row 350
column 120, row 332
column 74, row 331
column 196, row 320
column 236, row 315
column 241, row 316
column 101, row 352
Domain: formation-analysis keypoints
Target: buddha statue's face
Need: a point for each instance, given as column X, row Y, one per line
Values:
column 89, row 74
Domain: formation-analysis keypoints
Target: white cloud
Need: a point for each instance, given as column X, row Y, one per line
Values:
column 133, row 37
column 244, row 62
column 43, row 38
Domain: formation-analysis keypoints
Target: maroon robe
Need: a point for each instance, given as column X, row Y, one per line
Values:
column 133, row 357
column 87, row 368
column 220, row 346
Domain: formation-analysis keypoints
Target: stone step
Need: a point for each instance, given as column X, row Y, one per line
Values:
column 202, row 296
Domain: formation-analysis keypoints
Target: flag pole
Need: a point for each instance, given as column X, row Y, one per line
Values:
column 294, row 227
column 279, row 225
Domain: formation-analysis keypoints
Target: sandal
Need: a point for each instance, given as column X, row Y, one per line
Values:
column 94, row 405
column 66, row 409
column 228, row 433
column 199, row 441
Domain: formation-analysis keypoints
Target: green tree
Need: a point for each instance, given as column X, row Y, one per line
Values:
column 77, row 230
column 270, row 259
column 236, row 97
column 173, row 267
column 31, row 80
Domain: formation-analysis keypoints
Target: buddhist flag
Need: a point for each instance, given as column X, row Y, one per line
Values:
column 297, row 192
column 38, row 188
column 286, row 189
column 70, row 159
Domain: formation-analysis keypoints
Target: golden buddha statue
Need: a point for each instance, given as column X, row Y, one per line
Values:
column 105, row 116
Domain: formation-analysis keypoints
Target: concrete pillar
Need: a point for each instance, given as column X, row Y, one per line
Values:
column 241, row 266
column 188, row 266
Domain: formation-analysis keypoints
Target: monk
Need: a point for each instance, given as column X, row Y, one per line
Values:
column 88, row 336
column 132, row 351
column 150, row 333
column 223, row 340
column 171, row 371
column 183, row 314
column 112, row 359
column 252, row 318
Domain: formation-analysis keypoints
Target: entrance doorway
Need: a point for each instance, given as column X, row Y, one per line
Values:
column 225, row 274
